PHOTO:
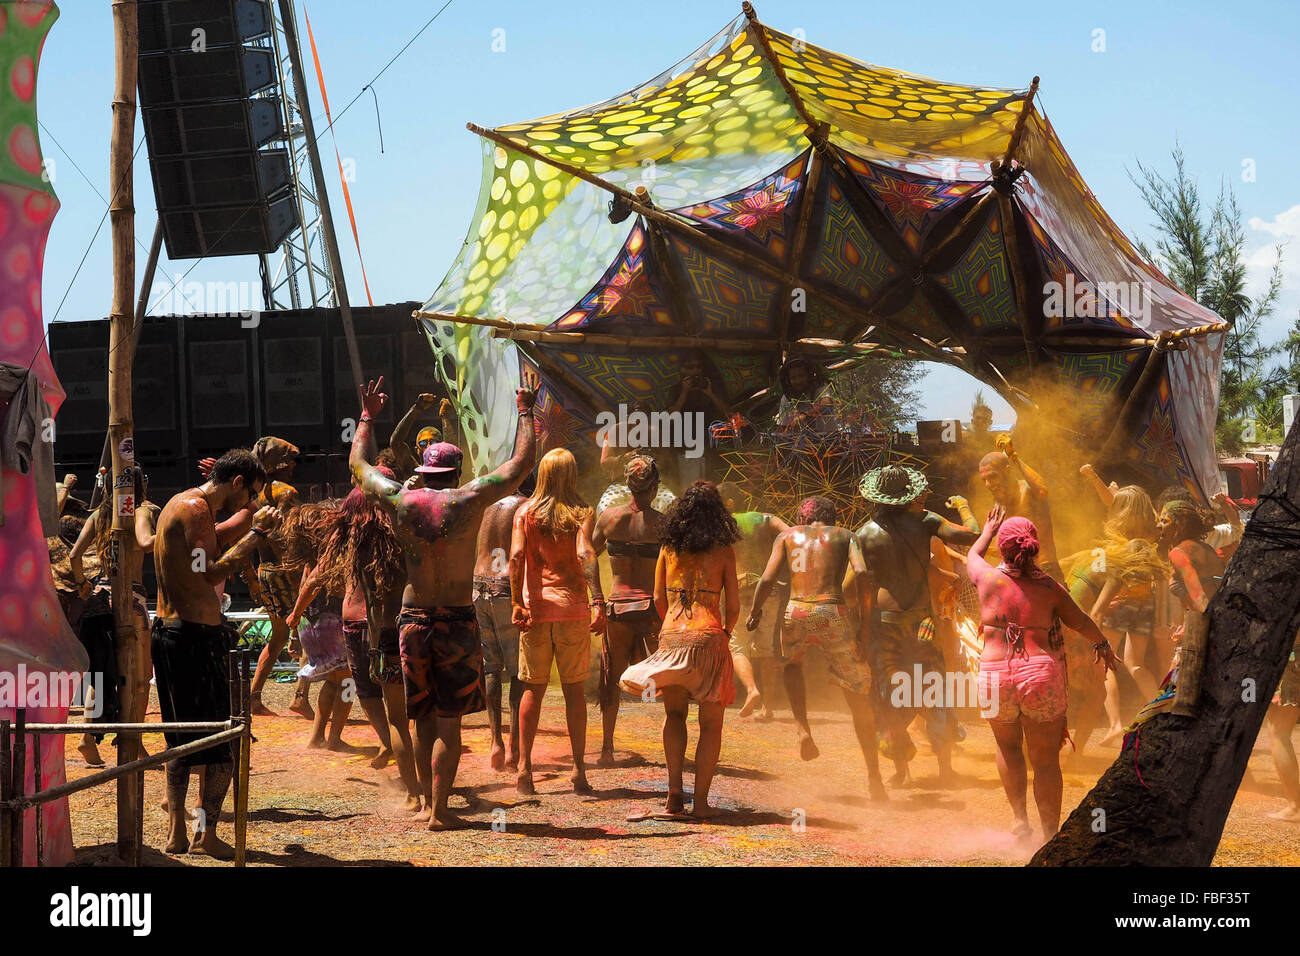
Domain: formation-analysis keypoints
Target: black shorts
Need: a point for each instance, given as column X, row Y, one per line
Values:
column 356, row 635
column 190, row 665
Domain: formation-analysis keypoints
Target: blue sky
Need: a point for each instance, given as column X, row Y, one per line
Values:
column 1220, row 78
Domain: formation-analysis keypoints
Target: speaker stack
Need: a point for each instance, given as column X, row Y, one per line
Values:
column 210, row 112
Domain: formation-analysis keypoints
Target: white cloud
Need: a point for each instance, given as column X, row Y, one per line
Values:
column 1284, row 230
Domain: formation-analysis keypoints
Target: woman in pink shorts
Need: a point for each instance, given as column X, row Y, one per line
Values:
column 1022, row 668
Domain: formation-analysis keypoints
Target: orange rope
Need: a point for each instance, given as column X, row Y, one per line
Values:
column 347, row 196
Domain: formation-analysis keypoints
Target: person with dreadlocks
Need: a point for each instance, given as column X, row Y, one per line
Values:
column 1022, row 667
column 557, row 605
column 896, row 549
column 817, row 555
column 96, row 629
column 697, row 568
column 631, row 534
column 317, row 615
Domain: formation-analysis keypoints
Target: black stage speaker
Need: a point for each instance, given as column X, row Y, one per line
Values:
column 218, row 192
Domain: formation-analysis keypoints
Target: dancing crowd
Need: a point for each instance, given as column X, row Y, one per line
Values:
column 422, row 597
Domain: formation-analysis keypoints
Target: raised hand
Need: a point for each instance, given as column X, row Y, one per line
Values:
column 1087, row 471
column 997, row 514
column 206, row 465
column 444, row 408
column 69, row 480
column 1003, row 443
column 956, row 503
column 526, row 393
column 267, row 518
column 373, row 399
column 426, row 400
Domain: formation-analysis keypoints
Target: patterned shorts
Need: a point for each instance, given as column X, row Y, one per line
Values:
column 442, row 661
column 280, row 588
column 833, row 628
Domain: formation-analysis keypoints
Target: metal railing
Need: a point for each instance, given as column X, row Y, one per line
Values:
column 15, row 802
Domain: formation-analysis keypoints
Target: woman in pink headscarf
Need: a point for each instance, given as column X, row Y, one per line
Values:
column 1022, row 668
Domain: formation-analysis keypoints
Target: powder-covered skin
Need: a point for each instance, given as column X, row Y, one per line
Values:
column 437, row 528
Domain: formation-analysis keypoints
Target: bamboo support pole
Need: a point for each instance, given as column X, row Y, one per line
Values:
column 6, row 794
column 755, row 29
column 817, row 136
column 1018, row 131
column 19, row 787
column 121, row 425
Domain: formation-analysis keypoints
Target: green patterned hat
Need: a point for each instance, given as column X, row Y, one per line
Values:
column 893, row 485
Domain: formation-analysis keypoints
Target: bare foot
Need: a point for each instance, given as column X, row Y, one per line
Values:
column 302, row 707
column 901, row 778
column 259, row 709
column 948, row 780
column 580, row 784
column 1114, row 738
column 343, row 747
column 676, row 803
column 497, row 757
column 178, row 843
column 766, row 715
column 1022, row 831
column 702, row 811
column 411, row 804
column 423, row 814
column 807, row 749
column 382, row 759
column 877, row 790
column 752, row 700
column 1290, row 815
column 316, row 743
column 512, row 762
column 212, row 845
column 524, row 783
column 446, row 820
column 90, row 752
column 606, row 759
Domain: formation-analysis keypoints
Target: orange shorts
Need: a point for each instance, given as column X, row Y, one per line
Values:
column 566, row 643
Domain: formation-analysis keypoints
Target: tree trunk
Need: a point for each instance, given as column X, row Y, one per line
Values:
column 120, row 418
column 1190, row 767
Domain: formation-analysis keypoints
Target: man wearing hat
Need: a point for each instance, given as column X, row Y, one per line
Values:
column 437, row 525
column 896, row 549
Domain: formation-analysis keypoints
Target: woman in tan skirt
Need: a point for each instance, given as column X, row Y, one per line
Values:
column 696, row 570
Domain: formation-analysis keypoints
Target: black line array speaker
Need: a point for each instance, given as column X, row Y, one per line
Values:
column 209, row 109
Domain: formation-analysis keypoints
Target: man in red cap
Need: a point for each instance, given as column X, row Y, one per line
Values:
column 437, row 525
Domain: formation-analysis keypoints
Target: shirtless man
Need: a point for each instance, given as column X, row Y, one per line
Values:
column 1021, row 492
column 492, row 607
column 437, row 526
column 816, row 555
column 896, row 549
column 630, row 533
column 759, row 532
column 406, row 460
column 191, row 642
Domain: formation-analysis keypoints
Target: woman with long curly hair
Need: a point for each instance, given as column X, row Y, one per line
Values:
column 317, row 616
column 361, row 553
column 554, row 579
column 696, row 568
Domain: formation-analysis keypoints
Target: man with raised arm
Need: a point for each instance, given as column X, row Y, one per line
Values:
column 817, row 555
column 437, row 525
column 398, row 441
column 1021, row 492
column 191, row 640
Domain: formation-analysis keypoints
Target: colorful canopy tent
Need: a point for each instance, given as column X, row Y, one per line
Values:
column 766, row 197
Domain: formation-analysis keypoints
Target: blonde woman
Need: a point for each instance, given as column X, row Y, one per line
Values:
column 557, row 603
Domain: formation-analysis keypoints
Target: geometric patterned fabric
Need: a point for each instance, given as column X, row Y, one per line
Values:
column 888, row 236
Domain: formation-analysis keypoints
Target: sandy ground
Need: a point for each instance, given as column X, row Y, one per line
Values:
column 311, row 807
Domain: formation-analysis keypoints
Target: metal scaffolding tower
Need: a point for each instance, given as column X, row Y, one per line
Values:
column 298, row 275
